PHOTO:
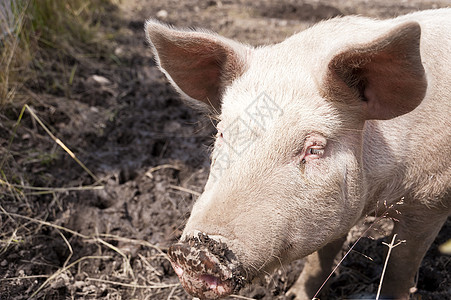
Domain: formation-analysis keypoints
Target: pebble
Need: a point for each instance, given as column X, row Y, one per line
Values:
column 118, row 51
column 162, row 14
column 100, row 79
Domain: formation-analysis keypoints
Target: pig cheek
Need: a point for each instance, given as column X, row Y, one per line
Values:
column 333, row 186
column 267, row 243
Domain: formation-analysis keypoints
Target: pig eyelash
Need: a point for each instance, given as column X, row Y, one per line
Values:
column 313, row 152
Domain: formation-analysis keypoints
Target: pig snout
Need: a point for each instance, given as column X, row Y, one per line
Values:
column 207, row 268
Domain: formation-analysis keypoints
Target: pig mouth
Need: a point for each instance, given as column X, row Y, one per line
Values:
column 207, row 269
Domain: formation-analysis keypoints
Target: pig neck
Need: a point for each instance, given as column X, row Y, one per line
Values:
column 386, row 159
column 408, row 158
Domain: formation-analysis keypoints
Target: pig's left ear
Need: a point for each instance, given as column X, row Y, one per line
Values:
column 386, row 75
column 199, row 64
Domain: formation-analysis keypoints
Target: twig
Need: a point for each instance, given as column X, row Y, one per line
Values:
column 61, row 144
column 24, row 277
column 171, row 293
column 49, row 190
column 7, row 214
column 69, row 247
column 241, row 297
column 158, row 286
column 175, row 187
column 390, row 247
column 128, row 268
column 138, row 242
column 165, row 166
column 9, row 241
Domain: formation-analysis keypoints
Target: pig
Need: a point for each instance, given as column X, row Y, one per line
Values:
column 342, row 120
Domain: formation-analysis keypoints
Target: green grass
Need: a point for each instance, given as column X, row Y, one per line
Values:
column 48, row 35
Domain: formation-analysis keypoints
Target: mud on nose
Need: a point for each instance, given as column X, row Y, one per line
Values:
column 207, row 268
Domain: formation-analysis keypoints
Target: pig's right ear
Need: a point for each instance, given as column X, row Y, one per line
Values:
column 199, row 64
column 386, row 74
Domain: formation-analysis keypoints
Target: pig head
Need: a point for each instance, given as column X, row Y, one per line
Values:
column 336, row 122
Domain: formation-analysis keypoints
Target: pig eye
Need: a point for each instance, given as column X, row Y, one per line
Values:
column 314, row 148
column 313, row 152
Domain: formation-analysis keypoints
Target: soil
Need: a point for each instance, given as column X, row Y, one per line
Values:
column 150, row 153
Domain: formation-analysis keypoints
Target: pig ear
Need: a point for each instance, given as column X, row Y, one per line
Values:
column 199, row 64
column 386, row 75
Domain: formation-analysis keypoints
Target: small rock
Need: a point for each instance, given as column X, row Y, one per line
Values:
column 118, row 51
column 100, row 79
column 4, row 263
column 162, row 14
column 79, row 284
column 172, row 126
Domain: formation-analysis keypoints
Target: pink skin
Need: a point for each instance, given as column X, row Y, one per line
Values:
column 205, row 286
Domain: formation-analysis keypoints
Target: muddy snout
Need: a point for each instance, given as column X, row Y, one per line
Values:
column 207, row 268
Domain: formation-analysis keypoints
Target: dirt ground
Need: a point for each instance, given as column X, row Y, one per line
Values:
column 106, row 237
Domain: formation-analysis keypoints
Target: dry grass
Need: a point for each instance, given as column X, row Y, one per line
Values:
column 101, row 241
column 41, row 44
column 26, row 227
column 46, row 40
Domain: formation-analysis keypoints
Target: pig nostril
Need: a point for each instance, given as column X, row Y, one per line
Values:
column 211, row 281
